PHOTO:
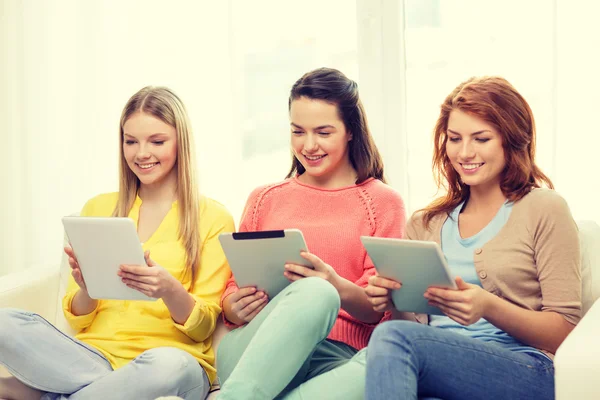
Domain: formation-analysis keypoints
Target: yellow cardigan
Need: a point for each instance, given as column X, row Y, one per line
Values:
column 122, row 330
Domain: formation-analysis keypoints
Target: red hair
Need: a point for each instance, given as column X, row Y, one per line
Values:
column 498, row 103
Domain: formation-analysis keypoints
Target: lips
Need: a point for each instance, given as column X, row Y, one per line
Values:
column 146, row 166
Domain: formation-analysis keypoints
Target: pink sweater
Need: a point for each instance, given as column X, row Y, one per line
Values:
column 332, row 222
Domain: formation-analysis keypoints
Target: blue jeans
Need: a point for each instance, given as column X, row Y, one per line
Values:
column 406, row 360
column 44, row 358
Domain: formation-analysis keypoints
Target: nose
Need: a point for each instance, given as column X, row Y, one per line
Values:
column 142, row 152
column 310, row 143
column 466, row 150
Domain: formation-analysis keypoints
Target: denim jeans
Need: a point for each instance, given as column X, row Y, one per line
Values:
column 407, row 360
column 283, row 352
column 44, row 358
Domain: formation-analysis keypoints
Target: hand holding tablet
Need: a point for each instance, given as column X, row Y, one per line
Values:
column 258, row 259
column 100, row 245
column 418, row 265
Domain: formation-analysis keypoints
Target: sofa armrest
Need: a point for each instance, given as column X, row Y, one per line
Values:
column 577, row 360
column 34, row 289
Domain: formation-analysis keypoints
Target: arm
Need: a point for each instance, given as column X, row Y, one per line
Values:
column 214, row 272
column 389, row 207
column 555, row 243
column 242, row 305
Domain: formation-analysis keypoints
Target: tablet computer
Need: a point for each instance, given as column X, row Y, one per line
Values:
column 258, row 258
column 101, row 245
column 417, row 264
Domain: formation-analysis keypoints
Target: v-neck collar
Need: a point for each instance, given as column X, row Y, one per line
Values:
column 134, row 214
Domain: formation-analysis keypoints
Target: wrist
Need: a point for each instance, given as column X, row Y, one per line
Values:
column 488, row 304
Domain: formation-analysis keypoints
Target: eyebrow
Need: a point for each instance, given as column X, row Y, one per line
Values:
column 318, row 127
column 472, row 134
column 151, row 136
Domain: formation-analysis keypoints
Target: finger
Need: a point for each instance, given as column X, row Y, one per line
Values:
column 138, row 269
column 455, row 305
column 148, row 280
column 375, row 291
column 461, row 284
column 143, row 291
column 292, row 277
column 142, row 287
column 448, row 310
column 315, row 261
column 73, row 263
column 299, row 270
column 377, row 301
column 445, row 294
column 69, row 251
column 241, row 292
column 376, row 280
column 148, row 260
column 383, row 307
column 245, row 301
column 255, row 312
column 251, row 307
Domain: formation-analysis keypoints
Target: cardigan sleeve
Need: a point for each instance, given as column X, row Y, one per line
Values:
column 557, row 256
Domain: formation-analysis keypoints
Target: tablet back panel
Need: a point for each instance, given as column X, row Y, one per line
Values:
column 417, row 264
column 258, row 258
column 101, row 245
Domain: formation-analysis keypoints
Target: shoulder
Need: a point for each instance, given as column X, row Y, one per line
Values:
column 269, row 189
column 543, row 202
column 100, row 205
column 417, row 228
column 383, row 193
column 214, row 213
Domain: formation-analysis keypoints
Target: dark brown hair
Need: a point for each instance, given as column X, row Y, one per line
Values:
column 334, row 87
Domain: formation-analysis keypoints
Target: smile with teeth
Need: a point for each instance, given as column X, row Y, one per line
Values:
column 471, row 166
column 314, row 158
column 146, row 166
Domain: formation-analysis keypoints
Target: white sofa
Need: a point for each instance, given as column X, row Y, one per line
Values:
column 577, row 362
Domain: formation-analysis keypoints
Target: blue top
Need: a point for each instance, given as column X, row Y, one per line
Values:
column 459, row 255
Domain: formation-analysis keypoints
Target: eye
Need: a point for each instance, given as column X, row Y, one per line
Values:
column 129, row 142
column 324, row 133
column 453, row 139
column 159, row 142
column 297, row 132
column 482, row 140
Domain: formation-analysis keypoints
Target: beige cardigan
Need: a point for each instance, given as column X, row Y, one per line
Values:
column 533, row 262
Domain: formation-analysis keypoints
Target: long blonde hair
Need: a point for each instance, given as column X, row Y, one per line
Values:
column 165, row 105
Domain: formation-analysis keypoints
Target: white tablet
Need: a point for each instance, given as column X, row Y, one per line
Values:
column 417, row 264
column 101, row 245
column 258, row 258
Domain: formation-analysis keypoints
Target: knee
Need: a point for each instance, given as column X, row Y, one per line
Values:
column 11, row 321
column 318, row 292
column 394, row 336
column 173, row 367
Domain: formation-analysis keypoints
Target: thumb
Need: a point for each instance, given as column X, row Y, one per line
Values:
column 149, row 261
column 316, row 262
column 462, row 285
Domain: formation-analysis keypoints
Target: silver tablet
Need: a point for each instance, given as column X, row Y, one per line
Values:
column 258, row 258
column 417, row 264
column 101, row 245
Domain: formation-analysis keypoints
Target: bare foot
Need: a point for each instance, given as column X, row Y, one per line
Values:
column 13, row 389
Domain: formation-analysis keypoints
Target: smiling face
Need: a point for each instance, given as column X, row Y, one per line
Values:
column 150, row 148
column 320, row 143
column 475, row 150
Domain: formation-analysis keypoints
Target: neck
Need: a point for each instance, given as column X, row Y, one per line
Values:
column 484, row 199
column 343, row 176
column 159, row 192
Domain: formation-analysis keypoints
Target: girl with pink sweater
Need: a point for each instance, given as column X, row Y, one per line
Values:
column 306, row 342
